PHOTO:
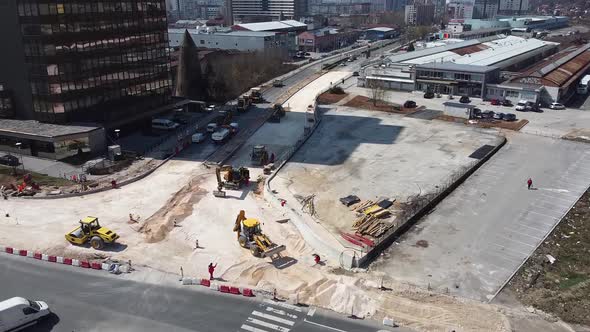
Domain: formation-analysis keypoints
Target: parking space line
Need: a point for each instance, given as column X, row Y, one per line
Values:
column 515, row 241
column 574, row 185
column 537, row 220
column 497, row 266
column 554, row 197
column 506, row 258
column 553, row 203
column 533, row 228
column 544, row 215
column 524, row 234
column 537, row 207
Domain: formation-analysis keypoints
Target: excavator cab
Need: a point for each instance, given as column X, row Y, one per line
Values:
column 230, row 178
column 250, row 236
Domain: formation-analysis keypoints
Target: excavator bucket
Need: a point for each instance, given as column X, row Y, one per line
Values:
column 273, row 250
column 219, row 193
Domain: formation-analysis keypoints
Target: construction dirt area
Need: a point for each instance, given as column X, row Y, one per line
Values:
column 376, row 156
column 170, row 221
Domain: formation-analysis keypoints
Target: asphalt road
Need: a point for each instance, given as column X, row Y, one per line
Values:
column 86, row 300
column 474, row 240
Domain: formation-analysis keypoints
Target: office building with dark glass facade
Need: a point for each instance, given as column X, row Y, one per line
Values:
column 84, row 61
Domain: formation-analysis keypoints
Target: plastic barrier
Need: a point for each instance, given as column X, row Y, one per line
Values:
column 205, row 282
column 234, row 290
column 53, row 259
column 67, row 261
column 9, row 250
column 96, row 266
column 22, row 252
column 85, row 264
column 37, row 255
column 224, row 289
column 45, row 257
column 247, row 292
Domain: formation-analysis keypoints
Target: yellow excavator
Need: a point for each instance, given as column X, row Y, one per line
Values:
column 250, row 236
column 230, row 178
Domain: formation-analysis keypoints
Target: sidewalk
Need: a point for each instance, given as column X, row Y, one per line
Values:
column 47, row 166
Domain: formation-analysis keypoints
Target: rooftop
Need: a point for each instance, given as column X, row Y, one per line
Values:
column 274, row 25
column 41, row 130
column 457, row 67
column 240, row 33
column 381, row 29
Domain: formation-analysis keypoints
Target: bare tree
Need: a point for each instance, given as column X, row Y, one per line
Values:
column 377, row 91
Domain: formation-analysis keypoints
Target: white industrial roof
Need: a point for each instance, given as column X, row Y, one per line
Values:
column 274, row 25
column 381, row 29
column 499, row 50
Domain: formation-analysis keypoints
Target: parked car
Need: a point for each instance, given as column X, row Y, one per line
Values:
column 507, row 103
column 355, row 73
column 343, row 64
column 521, row 106
column 476, row 112
column 509, row 117
column 164, row 124
column 210, row 108
column 498, row 116
column 495, row 102
column 211, row 127
column 530, row 106
column 9, row 160
column 198, row 137
column 487, row 114
column 410, row 104
column 277, row 83
column 556, row 106
column 429, row 95
column 464, row 100
column 307, row 54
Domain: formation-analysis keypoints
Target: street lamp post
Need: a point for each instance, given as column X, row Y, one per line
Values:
column 117, row 133
column 18, row 146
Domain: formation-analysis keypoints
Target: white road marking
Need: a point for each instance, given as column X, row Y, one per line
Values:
column 523, row 234
column 544, row 215
column 251, row 328
column 536, row 207
column 281, row 312
column 311, row 312
column 533, row 228
column 557, row 197
column 273, row 318
column 283, row 305
column 324, row 326
column 512, row 250
column 543, row 200
column 268, row 325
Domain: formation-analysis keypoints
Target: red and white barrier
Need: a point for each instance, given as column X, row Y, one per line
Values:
column 55, row 259
column 248, row 292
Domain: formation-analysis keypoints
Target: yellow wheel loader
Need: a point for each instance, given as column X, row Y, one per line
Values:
column 90, row 230
column 250, row 236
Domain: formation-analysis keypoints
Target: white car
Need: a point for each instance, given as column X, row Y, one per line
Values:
column 18, row 313
column 521, row 106
column 211, row 127
column 556, row 106
column 210, row 108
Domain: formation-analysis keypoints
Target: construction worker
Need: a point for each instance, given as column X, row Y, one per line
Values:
column 211, row 270
column 316, row 258
column 272, row 158
column 529, row 183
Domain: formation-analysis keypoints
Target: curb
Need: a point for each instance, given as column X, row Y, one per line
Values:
column 244, row 291
column 56, row 259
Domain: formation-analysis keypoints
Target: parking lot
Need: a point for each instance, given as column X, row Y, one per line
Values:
column 477, row 237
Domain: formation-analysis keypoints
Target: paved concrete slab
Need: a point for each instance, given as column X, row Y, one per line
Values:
column 477, row 238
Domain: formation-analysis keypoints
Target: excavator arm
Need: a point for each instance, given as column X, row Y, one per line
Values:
column 238, row 225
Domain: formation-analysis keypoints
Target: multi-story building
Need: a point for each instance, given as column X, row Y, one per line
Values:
column 245, row 11
column 485, row 9
column 419, row 14
column 96, row 61
column 513, row 7
column 326, row 39
column 333, row 8
column 460, row 10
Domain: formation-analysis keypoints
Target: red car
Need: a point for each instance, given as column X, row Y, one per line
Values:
column 495, row 102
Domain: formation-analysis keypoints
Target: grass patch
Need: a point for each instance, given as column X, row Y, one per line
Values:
column 572, row 280
column 7, row 177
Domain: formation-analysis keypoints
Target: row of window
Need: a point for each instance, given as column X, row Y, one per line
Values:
column 74, row 27
column 449, row 76
column 153, row 41
column 41, row 9
column 146, row 89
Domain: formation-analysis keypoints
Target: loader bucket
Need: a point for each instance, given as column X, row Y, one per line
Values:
column 273, row 251
column 218, row 193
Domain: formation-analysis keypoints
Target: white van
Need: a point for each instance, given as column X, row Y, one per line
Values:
column 198, row 137
column 164, row 124
column 18, row 313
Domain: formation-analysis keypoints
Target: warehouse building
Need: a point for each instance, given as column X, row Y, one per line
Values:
column 463, row 68
column 248, row 41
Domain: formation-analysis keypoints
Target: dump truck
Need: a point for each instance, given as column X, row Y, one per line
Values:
column 259, row 155
column 244, row 103
column 256, row 95
column 277, row 113
column 91, row 230
column 230, row 178
column 250, row 236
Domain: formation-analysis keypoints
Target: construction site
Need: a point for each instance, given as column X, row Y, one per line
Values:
column 302, row 207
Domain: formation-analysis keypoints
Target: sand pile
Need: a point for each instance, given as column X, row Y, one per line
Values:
column 176, row 209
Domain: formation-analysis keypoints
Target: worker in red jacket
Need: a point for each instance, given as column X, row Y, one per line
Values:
column 211, row 270
column 529, row 183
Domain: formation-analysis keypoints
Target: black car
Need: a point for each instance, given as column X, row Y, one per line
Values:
column 487, row 114
column 507, row 103
column 9, row 160
column 509, row 117
column 429, row 95
column 356, row 73
column 410, row 104
column 476, row 112
column 464, row 100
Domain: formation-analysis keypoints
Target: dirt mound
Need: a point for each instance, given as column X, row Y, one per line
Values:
column 176, row 209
